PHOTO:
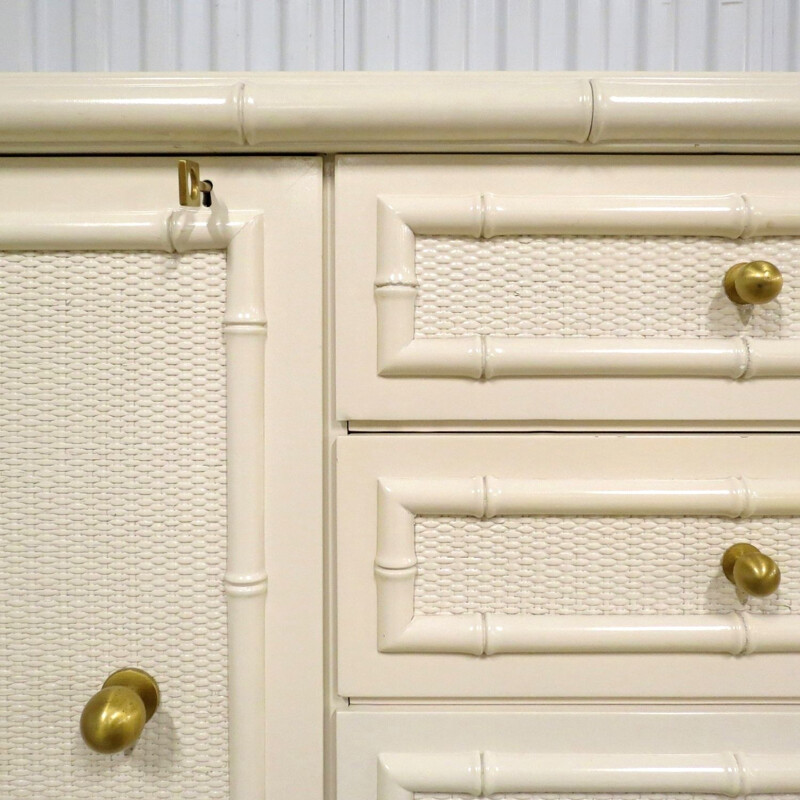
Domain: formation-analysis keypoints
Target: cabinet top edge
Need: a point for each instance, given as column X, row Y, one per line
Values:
column 402, row 112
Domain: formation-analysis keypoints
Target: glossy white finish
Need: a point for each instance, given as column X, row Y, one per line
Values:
column 172, row 230
column 489, row 634
column 723, row 380
column 398, row 112
column 401, row 219
column 275, row 735
column 401, row 775
column 486, row 773
column 485, row 215
column 291, row 193
column 672, row 106
column 484, row 497
column 388, row 649
column 245, row 329
column 245, row 334
column 737, row 496
column 400, row 631
column 390, row 754
column 319, row 108
column 286, row 113
column 166, row 111
column 739, row 359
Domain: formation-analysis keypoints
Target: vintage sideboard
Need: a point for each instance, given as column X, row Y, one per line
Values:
column 401, row 439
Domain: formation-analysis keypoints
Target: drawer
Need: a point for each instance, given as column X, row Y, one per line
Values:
column 561, row 290
column 519, row 755
column 565, row 565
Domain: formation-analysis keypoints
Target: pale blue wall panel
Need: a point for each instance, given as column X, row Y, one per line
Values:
column 131, row 35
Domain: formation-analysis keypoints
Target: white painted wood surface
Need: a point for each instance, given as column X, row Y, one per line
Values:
column 245, row 580
column 402, row 630
column 390, row 754
column 399, row 35
column 275, row 737
column 386, row 371
column 487, row 773
column 294, row 399
column 335, row 112
column 401, row 219
column 389, row 650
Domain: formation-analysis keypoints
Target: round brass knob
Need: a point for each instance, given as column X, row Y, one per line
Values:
column 753, row 282
column 114, row 718
column 750, row 570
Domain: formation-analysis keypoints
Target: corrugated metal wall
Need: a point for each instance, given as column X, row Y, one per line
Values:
column 132, row 35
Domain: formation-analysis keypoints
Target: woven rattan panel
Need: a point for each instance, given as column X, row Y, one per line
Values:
column 571, row 565
column 573, row 286
column 112, row 518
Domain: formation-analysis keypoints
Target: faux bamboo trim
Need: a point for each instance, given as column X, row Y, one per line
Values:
column 486, row 773
column 400, row 112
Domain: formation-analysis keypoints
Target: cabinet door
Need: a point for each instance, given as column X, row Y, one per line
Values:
column 134, row 529
column 565, row 565
column 565, row 291
column 549, row 753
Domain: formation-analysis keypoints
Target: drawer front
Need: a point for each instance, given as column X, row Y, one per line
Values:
column 564, row 289
column 519, row 755
column 505, row 566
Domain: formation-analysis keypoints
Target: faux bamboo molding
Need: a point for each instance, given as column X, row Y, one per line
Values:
column 244, row 326
column 401, row 219
column 401, row 112
column 400, row 630
column 486, row 773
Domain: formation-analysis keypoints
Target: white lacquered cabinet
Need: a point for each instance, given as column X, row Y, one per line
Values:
column 407, row 468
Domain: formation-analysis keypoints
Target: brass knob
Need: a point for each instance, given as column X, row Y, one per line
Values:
column 753, row 282
column 115, row 717
column 750, row 570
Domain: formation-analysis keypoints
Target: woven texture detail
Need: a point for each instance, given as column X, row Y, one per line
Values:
column 112, row 518
column 572, row 565
column 581, row 286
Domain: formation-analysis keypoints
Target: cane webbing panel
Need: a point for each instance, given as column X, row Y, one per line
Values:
column 584, row 286
column 595, row 565
column 112, row 518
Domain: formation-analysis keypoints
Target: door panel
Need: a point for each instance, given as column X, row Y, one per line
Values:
column 134, row 529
